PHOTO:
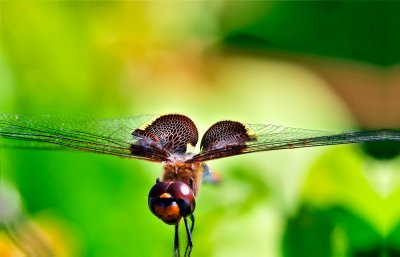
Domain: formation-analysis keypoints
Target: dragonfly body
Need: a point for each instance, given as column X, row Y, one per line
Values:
column 188, row 173
column 165, row 139
column 173, row 197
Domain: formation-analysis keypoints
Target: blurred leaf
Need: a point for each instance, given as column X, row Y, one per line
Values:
column 337, row 177
column 382, row 150
column 330, row 232
column 361, row 31
column 392, row 245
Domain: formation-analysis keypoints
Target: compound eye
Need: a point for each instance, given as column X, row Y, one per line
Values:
column 184, row 197
column 170, row 201
column 158, row 189
column 163, row 205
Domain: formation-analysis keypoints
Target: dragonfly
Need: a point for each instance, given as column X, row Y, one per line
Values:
column 168, row 139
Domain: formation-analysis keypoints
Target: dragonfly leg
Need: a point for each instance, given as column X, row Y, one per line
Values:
column 192, row 220
column 189, row 245
column 191, row 232
column 176, row 241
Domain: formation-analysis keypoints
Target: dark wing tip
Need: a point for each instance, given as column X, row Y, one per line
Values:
column 225, row 134
column 171, row 133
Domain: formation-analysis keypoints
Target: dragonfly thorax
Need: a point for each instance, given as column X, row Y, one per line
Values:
column 186, row 172
column 179, row 157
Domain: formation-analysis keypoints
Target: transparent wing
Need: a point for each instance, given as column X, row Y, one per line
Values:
column 108, row 136
column 272, row 137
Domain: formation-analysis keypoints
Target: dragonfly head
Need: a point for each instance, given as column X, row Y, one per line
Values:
column 170, row 201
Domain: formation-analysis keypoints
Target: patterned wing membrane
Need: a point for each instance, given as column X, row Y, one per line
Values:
column 108, row 136
column 225, row 134
column 272, row 137
column 169, row 133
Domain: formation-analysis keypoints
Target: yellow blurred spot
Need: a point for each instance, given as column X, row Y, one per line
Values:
column 41, row 237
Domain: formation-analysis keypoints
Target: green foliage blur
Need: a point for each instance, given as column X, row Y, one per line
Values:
column 210, row 61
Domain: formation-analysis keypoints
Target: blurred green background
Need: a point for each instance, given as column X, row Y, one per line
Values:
column 319, row 65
